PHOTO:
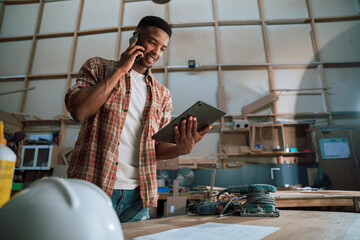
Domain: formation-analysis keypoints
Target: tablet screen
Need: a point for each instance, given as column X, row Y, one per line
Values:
column 205, row 114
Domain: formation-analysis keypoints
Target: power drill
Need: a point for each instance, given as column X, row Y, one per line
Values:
column 258, row 202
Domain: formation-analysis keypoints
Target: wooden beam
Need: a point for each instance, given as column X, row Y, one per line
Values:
column 260, row 103
column 287, row 21
column 12, row 78
column 300, row 114
column 337, row 18
column 321, row 74
column 97, row 31
column 16, row 38
column 268, row 55
column 2, row 13
column 16, row 91
column 238, row 22
column 221, row 95
column 32, row 54
column 47, row 76
column 70, row 69
column 196, row 24
column 166, row 62
column 340, row 64
column 128, row 28
column 54, row 35
column 16, row 2
column 299, row 89
column 119, row 32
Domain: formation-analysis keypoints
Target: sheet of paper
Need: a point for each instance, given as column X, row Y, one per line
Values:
column 213, row 231
column 336, row 150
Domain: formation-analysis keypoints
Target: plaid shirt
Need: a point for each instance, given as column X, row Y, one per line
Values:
column 95, row 155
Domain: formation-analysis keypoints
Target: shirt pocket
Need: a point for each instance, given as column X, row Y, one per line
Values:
column 157, row 116
column 112, row 104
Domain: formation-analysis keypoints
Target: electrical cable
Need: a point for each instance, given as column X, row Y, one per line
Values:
column 227, row 205
column 251, row 198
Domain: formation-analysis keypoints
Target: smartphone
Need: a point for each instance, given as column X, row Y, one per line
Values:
column 132, row 39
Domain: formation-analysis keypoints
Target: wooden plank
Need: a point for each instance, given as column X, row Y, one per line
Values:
column 341, row 64
column 62, row 135
column 17, row 38
column 301, row 114
column 16, row 91
column 15, row 2
column 287, row 21
column 166, row 62
column 221, row 94
column 299, row 89
column 54, row 35
column 193, row 24
column 187, row 69
column 314, row 38
column 72, row 56
column 119, row 32
column 12, row 78
column 260, row 103
column 239, row 22
column 47, row 76
column 320, row 202
column 128, row 28
column 268, row 56
column 353, row 17
column 332, row 192
column 357, row 204
column 97, row 31
column 32, row 55
column 325, row 94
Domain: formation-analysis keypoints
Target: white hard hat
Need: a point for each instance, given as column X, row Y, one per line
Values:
column 60, row 209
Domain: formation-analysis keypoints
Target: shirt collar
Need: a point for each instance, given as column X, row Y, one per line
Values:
column 149, row 77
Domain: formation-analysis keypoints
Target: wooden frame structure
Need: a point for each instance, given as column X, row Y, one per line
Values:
column 219, row 67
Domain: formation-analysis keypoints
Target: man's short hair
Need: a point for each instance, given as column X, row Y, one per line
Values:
column 156, row 22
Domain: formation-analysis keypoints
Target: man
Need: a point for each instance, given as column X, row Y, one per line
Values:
column 120, row 106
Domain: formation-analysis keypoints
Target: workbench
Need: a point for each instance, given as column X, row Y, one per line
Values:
column 294, row 224
column 298, row 199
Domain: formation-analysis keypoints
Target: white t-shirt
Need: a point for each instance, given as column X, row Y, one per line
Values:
column 128, row 167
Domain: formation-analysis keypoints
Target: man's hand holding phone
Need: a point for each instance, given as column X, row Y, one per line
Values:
column 133, row 53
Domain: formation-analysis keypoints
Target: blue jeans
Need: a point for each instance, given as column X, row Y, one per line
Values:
column 128, row 205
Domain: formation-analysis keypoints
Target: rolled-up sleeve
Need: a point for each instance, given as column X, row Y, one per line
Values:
column 85, row 78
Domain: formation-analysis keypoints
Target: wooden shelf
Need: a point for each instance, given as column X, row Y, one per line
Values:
column 242, row 142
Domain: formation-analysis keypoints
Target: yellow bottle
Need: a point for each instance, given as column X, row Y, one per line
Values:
column 7, row 167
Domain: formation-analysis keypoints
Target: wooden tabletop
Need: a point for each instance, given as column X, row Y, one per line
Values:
column 293, row 224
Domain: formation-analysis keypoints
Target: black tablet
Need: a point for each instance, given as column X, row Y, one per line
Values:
column 205, row 114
